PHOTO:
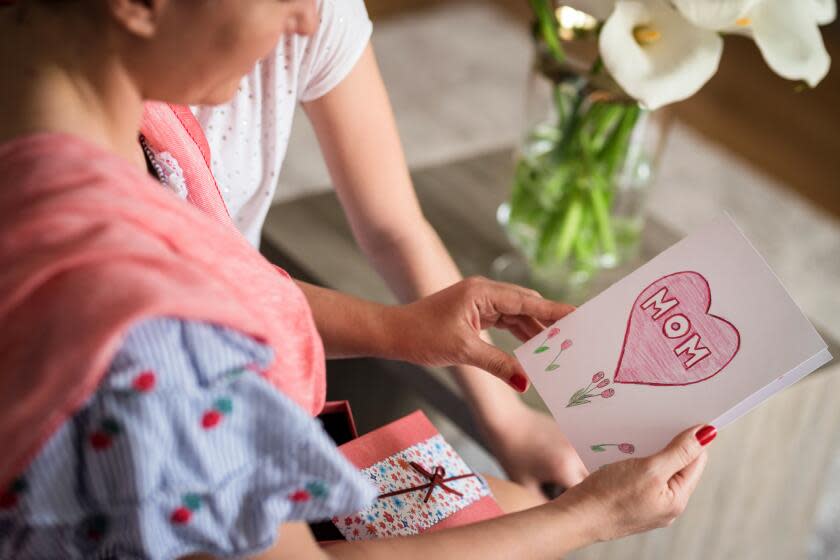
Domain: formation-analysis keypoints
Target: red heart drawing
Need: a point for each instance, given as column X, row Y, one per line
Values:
column 671, row 337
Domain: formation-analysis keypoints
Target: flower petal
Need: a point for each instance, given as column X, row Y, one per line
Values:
column 790, row 41
column 824, row 10
column 671, row 68
column 715, row 14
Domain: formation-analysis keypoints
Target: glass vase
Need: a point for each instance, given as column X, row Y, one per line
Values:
column 586, row 161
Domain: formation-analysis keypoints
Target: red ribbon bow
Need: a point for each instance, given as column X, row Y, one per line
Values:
column 437, row 479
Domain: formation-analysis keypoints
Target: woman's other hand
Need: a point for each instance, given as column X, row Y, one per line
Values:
column 445, row 328
column 637, row 495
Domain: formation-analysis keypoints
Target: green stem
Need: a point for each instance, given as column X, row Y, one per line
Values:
column 602, row 220
column 547, row 25
column 571, row 227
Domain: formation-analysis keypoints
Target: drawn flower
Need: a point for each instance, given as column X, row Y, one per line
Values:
column 584, row 395
column 552, row 365
column 554, row 331
column 627, row 448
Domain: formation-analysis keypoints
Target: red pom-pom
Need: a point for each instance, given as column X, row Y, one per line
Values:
column 8, row 500
column 299, row 496
column 210, row 419
column 144, row 382
column 181, row 515
column 100, row 440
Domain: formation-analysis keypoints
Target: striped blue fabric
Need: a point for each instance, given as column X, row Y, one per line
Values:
column 184, row 448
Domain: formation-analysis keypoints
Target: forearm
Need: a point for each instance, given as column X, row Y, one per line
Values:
column 545, row 532
column 350, row 326
column 415, row 265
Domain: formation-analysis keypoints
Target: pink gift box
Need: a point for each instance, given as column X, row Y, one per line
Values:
column 424, row 484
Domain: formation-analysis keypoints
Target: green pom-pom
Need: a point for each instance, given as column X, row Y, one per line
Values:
column 317, row 489
column 192, row 501
column 111, row 426
column 224, row 405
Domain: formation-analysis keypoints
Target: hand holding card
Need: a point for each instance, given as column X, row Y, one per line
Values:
column 690, row 338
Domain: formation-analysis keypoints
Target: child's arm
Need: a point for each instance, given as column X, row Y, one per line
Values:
column 361, row 145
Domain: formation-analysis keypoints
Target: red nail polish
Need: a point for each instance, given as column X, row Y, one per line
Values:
column 706, row 434
column 519, row 382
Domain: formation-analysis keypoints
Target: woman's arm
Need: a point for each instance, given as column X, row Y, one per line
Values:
column 621, row 499
column 361, row 145
column 437, row 330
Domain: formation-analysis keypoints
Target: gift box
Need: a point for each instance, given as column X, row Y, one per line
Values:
column 424, row 485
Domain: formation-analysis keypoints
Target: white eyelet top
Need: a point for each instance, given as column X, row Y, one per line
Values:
column 248, row 136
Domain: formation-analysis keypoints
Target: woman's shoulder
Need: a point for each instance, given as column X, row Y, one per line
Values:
column 183, row 448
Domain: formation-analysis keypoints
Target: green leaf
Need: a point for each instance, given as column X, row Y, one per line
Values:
column 597, row 448
column 541, row 349
column 578, row 394
column 552, row 367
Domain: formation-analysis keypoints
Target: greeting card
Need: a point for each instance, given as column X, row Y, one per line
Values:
column 701, row 334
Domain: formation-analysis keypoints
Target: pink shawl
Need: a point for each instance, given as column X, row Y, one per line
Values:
column 89, row 245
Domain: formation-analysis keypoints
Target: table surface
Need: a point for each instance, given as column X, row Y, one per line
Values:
column 761, row 493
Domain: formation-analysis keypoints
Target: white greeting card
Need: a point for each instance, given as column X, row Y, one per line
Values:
column 702, row 333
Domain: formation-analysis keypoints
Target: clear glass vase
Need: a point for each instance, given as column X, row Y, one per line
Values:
column 583, row 170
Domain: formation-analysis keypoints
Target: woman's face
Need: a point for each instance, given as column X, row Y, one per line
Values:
column 201, row 49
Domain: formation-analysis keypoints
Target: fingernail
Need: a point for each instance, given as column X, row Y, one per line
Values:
column 519, row 382
column 706, row 434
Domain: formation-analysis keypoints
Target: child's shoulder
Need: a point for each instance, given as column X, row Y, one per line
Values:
column 183, row 440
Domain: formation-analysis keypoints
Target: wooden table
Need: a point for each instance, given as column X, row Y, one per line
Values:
column 766, row 472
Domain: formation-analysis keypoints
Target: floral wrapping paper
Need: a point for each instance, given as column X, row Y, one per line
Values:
column 408, row 513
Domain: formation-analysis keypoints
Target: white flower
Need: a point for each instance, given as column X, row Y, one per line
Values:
column 655, row 54
column 825, row 11
column 785, row 31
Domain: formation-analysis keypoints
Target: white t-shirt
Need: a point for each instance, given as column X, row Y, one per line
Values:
column 249, row 135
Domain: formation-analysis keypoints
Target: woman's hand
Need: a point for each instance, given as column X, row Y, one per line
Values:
column 637, row 495
column 445, row 328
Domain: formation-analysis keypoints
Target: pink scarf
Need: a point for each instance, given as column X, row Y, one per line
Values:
column 89, row 245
